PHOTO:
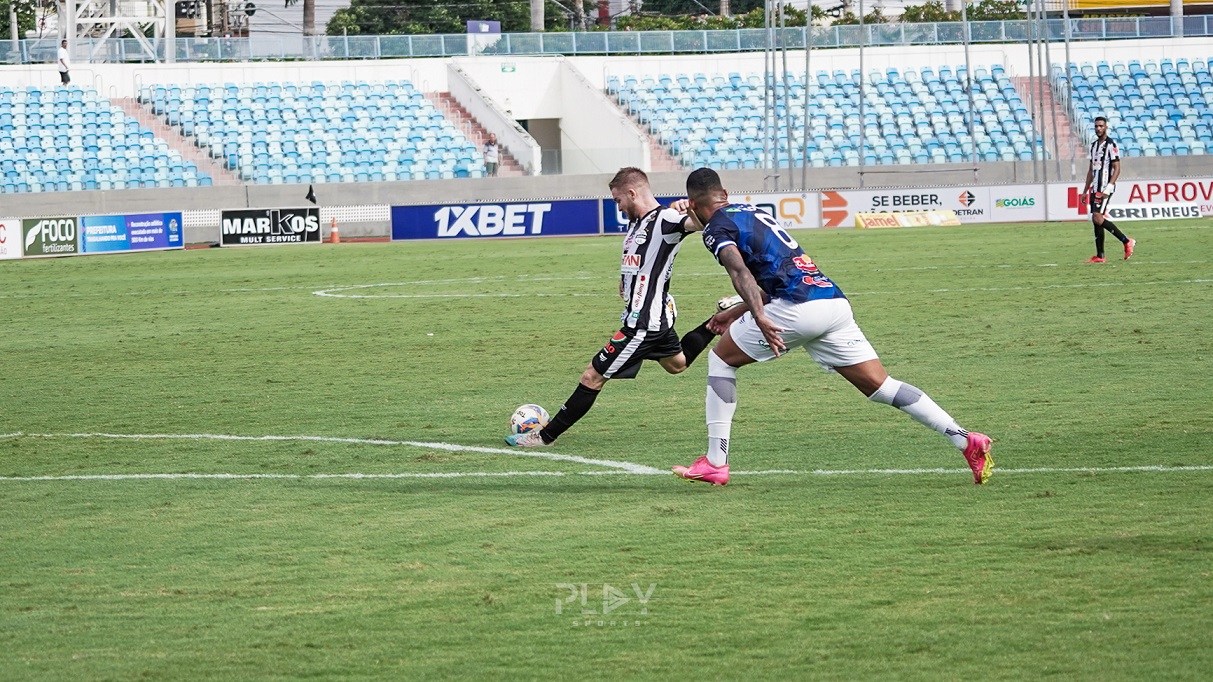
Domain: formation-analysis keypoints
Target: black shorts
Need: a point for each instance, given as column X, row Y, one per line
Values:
column 1099, row 202
column 64, row 78
column 621, row 357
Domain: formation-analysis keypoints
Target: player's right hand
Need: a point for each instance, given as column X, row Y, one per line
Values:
column 770, row 332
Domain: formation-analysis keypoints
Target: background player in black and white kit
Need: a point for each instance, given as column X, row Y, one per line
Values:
column 1101, row 185
column 654, row 236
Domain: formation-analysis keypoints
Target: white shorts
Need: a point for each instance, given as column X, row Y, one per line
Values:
column 825, row 328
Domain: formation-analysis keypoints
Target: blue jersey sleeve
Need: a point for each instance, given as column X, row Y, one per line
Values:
column 720, row 232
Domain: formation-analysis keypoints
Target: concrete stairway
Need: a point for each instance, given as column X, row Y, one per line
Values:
column 472, row 129
column 1067, row 141
column 184, row 145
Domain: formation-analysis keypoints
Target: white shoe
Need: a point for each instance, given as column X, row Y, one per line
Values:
column 530, row 439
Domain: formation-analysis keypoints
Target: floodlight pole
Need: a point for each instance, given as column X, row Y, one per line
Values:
column 1065, row 13
column 863, row 137
column 1031, row 80
column 964, row 22
column 787, row 94
column 808, row 84
column 770, row 122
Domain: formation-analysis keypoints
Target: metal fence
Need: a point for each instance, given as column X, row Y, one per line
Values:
column 286, row 48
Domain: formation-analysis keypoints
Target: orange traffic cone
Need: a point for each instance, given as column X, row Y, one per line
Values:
column 334, row 233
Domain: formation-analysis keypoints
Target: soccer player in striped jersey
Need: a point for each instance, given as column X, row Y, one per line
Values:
column 789, row 303
column 654, row 236
column 1101, row 185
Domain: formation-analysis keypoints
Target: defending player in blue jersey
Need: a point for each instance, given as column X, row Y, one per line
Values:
column 789, row 303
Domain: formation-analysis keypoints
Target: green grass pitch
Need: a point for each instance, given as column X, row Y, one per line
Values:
column 184, row 435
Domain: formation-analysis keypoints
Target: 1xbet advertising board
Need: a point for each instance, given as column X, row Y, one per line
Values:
column 615, row 222
column 512, row 219
column 108, row 234
column 270, row 226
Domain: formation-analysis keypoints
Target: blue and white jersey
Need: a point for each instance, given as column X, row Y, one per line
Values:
column 777, row 262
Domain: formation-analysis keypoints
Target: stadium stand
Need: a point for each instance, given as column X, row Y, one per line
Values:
column 67, row 139
column 919, row 116
column 1153, row 108
column 286, row 133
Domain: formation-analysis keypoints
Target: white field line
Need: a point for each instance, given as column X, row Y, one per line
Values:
column 1149, row 468
column 339, row 292
column 516, row 452
column 613, row 468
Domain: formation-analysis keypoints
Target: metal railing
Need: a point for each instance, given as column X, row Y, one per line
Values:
column 310, row 48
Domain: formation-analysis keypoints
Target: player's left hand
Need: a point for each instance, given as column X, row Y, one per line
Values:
column 725, row 318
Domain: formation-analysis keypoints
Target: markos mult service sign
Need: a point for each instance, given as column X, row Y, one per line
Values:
column 252, row 227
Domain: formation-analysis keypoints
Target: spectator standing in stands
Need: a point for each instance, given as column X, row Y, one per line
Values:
column 492, row 155
column 65, row 63
column 1101, row 184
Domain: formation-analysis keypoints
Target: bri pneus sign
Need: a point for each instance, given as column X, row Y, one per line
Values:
column 509, row 219
column 270, row 226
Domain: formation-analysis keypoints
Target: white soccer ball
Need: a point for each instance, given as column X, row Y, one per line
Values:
column 528, row 418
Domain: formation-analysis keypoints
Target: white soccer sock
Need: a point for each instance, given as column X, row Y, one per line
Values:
column 919, row 405
column 721, row 404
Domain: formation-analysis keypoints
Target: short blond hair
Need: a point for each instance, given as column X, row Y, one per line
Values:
column 630, row 176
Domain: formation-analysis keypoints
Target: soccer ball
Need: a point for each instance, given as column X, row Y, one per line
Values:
column 528, row 418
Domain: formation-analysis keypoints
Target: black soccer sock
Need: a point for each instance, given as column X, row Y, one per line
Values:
column 1099, row 239
column 695, row 341
column 572, row 410
column 1111, row 227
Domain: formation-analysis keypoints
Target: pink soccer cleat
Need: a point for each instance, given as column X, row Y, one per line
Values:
column 978, row 456
column 1097, row 259
column 1129, row 248
column 702, row 470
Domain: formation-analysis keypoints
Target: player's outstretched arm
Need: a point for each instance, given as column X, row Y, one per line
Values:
column 691, row 224
column 748, row 289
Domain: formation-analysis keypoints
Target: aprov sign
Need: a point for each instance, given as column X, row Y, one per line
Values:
column 1066, row 201
column 10, row 238
column 512, row 219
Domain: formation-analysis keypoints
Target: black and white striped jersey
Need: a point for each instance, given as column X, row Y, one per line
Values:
column 1103, row 153
column 647, row 265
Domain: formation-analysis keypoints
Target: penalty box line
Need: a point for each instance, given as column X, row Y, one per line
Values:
column 627, row 467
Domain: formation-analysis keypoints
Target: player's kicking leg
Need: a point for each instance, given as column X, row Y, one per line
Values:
column 872, row 380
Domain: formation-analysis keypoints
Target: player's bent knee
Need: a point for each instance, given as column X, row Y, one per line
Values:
column 590, row 378
column 674, row 364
